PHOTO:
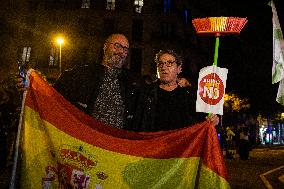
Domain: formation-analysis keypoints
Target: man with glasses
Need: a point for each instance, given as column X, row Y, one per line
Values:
column 164, row 105
column 103, row 90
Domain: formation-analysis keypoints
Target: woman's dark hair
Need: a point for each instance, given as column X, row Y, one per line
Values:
column 170, row 52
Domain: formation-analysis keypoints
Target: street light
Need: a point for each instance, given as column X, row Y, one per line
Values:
column 60, row 41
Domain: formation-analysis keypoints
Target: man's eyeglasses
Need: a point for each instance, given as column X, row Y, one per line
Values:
column 160, row 64
column 118, row 46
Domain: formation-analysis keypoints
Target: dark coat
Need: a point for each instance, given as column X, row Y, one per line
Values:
column 80, row 85
column 159, row 110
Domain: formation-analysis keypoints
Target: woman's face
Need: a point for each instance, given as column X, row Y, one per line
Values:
column 168, row 69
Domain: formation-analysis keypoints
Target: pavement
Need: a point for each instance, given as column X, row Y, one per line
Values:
column 264, row 169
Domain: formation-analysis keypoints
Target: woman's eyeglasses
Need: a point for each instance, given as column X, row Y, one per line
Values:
column 160, row 64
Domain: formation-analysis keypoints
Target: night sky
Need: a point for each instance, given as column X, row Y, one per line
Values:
column 248, row 56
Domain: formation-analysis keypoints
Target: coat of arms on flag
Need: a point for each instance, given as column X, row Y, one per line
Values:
column 64, row 148
column 211, row 90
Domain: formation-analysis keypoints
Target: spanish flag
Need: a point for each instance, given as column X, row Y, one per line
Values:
column 64, row 148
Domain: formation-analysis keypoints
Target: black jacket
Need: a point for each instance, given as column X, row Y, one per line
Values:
column 80, row 85
column 159, row 110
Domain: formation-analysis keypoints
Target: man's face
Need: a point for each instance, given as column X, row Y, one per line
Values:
column 168, row 69
column 116, row 51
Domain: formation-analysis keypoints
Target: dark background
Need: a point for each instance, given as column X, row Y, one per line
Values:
column 247, row 56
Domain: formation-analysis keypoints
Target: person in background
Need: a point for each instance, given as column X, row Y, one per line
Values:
column 244, row 144
column 164, row 104
column 229, row 143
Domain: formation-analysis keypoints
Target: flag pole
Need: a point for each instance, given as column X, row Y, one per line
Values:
column 17, row 147
column 18, row 138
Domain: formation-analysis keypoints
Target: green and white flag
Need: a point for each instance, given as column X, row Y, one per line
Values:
column 278, row 48
column 278, row 55
column 280, row 93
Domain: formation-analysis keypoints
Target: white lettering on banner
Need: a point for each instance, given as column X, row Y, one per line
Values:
column 211, row 81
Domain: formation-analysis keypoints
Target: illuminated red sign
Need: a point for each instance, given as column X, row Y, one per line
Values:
column 211, row 89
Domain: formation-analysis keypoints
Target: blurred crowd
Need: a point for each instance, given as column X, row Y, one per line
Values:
column 236, row 140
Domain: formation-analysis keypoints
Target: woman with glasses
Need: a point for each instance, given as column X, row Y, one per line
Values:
column 164, row 105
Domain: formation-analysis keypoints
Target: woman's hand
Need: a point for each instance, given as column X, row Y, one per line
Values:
column 213, row 119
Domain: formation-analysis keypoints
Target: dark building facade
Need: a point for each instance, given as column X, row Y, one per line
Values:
column 85, row 24
column 28, row 30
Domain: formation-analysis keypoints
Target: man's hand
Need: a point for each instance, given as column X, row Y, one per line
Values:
column 19, row 82
column 182, row 82
column 213, row 119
